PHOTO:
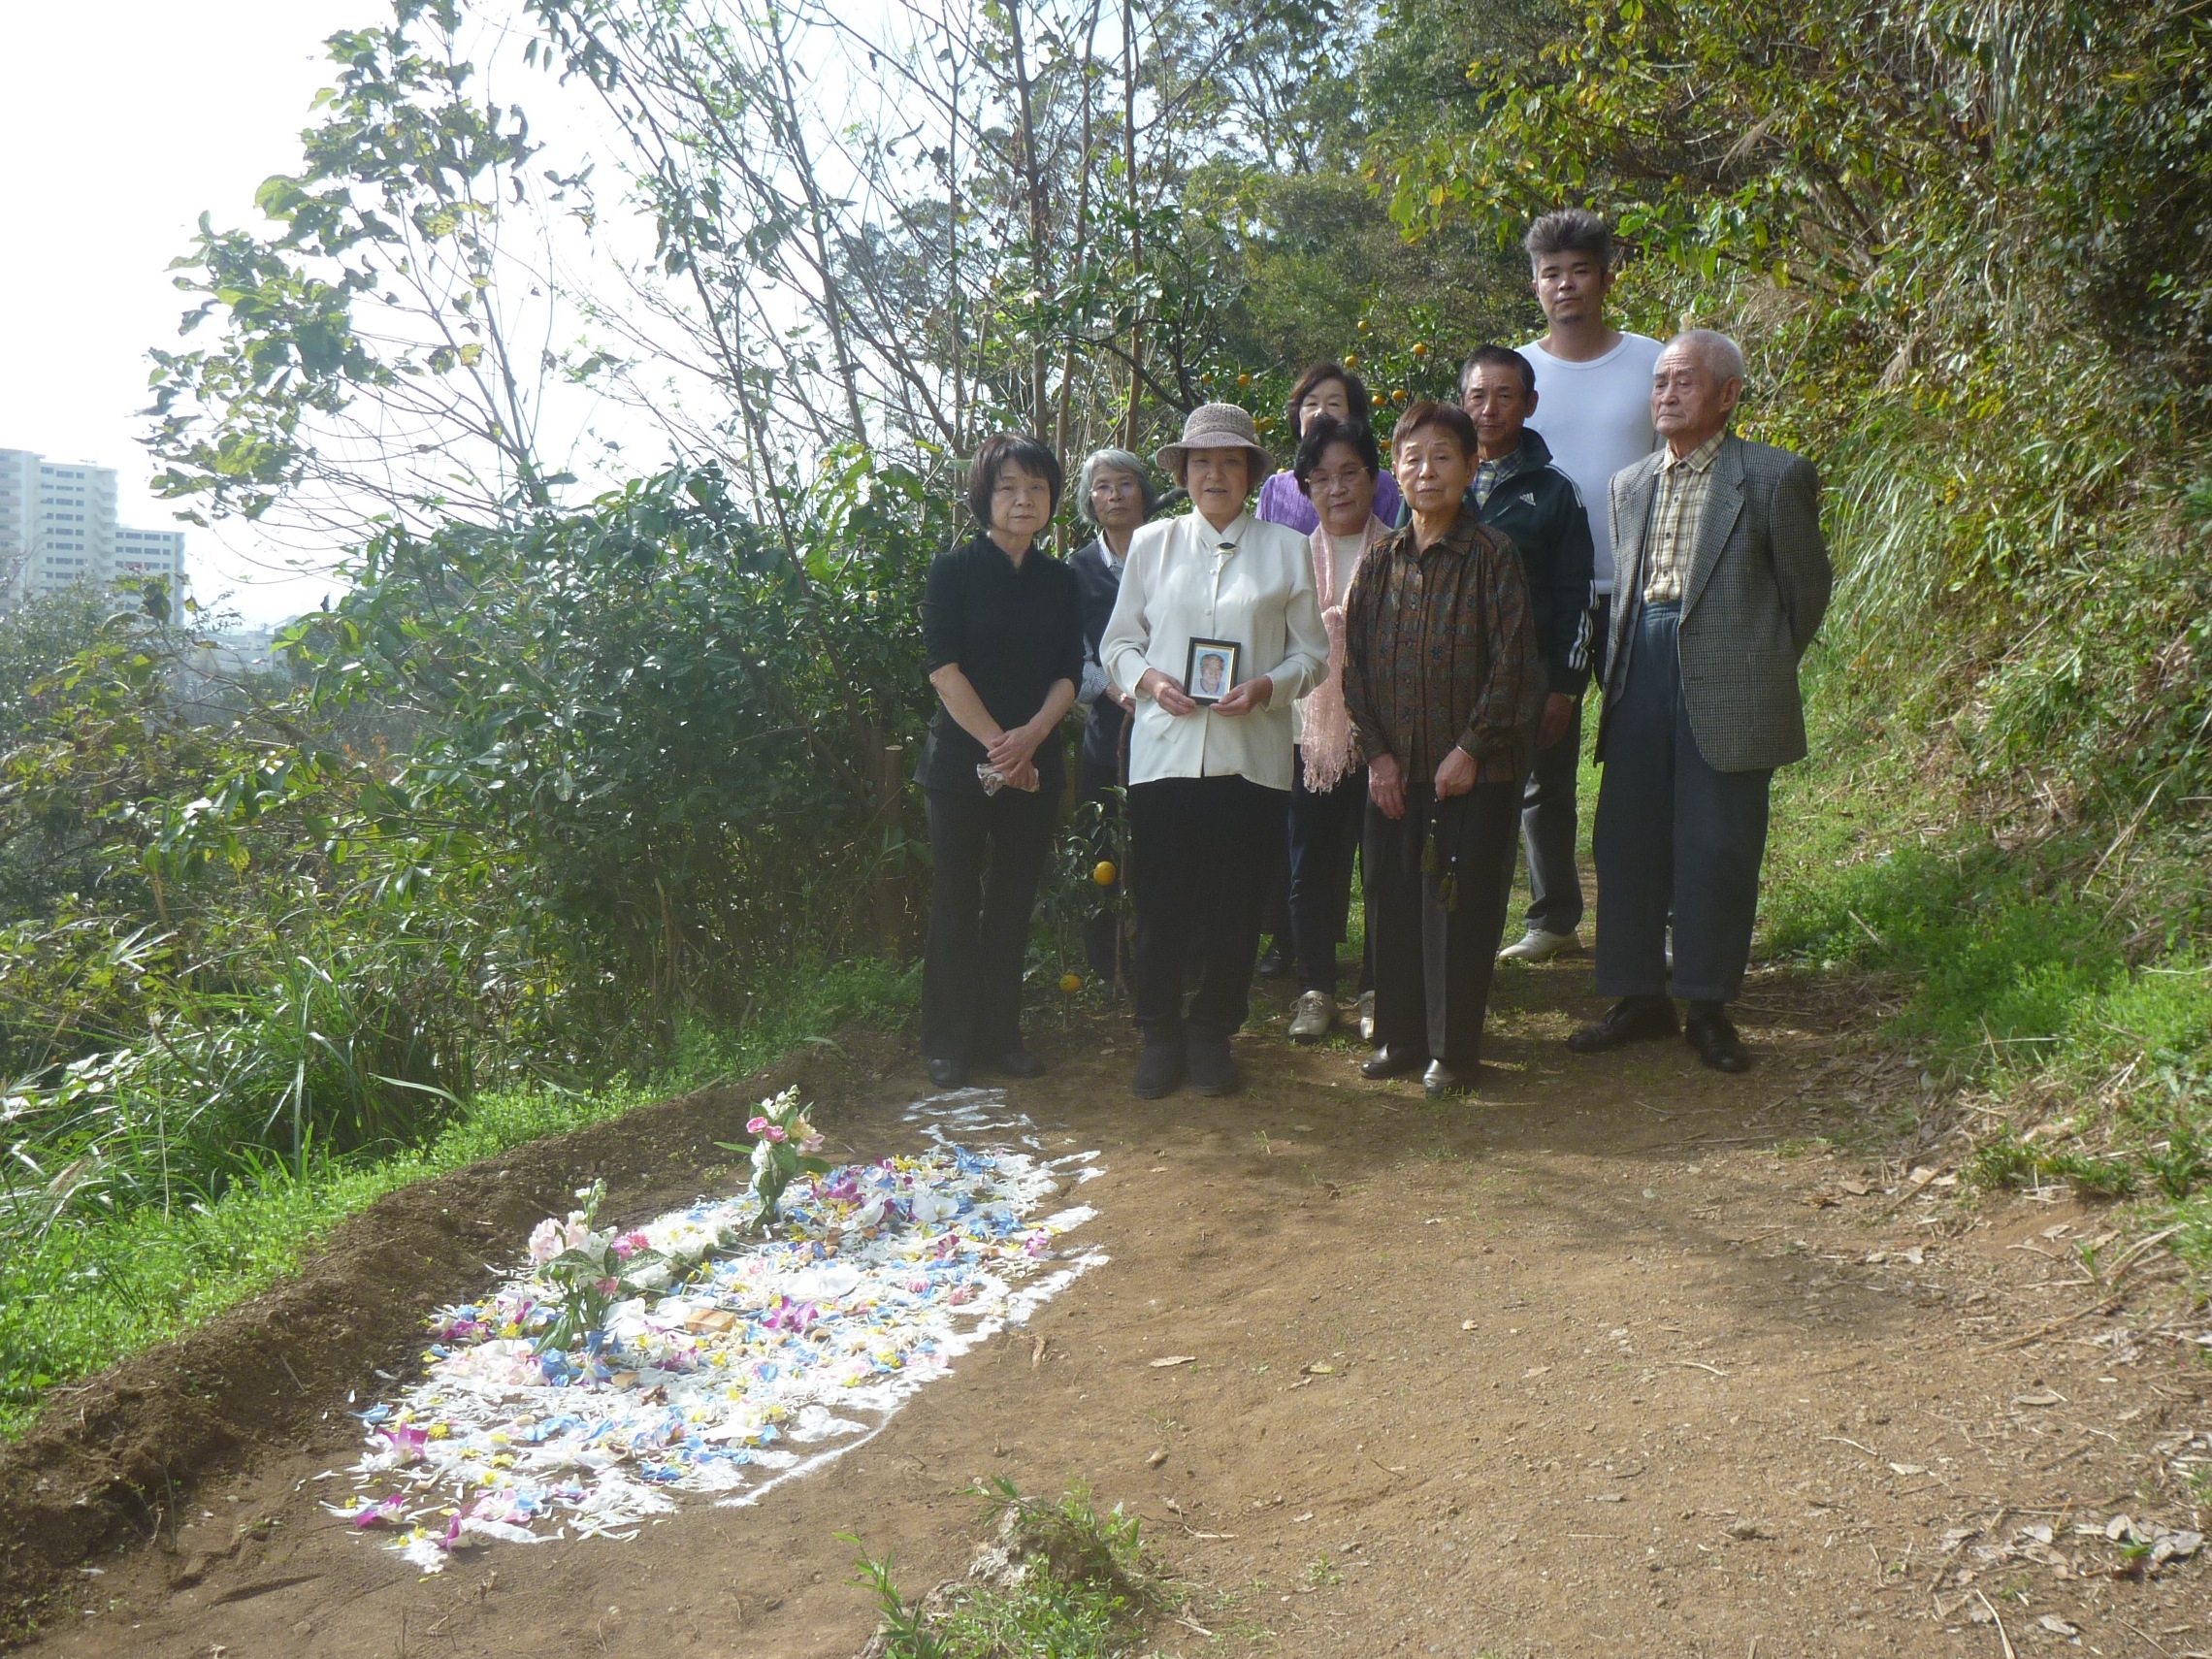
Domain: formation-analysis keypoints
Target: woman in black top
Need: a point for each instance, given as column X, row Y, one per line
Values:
column 1003, row 633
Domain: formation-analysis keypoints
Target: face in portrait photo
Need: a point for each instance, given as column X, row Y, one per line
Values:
column 1212, row 669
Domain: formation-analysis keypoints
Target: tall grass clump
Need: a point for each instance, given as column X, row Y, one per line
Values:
column 1062, row 1578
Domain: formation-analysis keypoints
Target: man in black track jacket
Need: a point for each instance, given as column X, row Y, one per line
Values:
column 1518, row 492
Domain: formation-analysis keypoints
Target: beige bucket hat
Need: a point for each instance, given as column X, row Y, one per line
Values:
column 1216, row 426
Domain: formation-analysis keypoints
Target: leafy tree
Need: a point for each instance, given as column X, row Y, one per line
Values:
column 38, row 638
column 380, row 352
column 692, row 744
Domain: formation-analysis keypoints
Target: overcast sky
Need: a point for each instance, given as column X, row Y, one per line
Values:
column 122, row 120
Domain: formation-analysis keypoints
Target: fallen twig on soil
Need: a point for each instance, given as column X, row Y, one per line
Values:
column 2135, row 1253
column 2042, row 1331
column 2003, row 1640
column 2145, row 1635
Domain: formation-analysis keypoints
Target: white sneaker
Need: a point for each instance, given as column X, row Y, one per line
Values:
column 1538, row 946
column 1317, row 1014
column 1367, row 1018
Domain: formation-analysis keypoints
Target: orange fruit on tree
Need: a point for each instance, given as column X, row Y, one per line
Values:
column 1352, row 359
column 1071, row 984
column 1420, row 349
column 1103, row 874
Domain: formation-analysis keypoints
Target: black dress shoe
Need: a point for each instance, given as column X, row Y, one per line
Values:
column 1713, row 1035
column 948, row 1074
column 1631, row 1020
column 1160, row 1071
column 1391, row 1062
column 1019, row 1062
column 1442, row 1079
column 1213, row 1068
column 1274, row 961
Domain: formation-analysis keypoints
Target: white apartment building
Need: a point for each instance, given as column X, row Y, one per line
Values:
column 146, row 552
column 58, row 527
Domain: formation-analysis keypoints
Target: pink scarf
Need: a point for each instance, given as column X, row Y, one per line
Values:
column 1325, row 736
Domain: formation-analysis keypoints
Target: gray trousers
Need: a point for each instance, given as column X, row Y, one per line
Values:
column 1672, row 833
column 1547, row 808
column 1547, row 834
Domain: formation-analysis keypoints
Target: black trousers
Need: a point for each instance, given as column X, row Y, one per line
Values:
column 1096, row 785
column 1274, row 921
column 1324, row 835
column 1200, row 852
column 1672, row 833
column 987, row 853
column 1433, row 965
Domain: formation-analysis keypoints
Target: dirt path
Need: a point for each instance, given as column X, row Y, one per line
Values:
column 1617, row 1359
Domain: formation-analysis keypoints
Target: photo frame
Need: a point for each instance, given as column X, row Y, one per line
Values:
column 1210, row 672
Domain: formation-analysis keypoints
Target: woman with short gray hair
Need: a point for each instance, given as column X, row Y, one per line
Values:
column 1114, row 494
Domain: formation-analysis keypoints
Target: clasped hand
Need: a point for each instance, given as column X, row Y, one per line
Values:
column 1011, row 751
column 1167, row 691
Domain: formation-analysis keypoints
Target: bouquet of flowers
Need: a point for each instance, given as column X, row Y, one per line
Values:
column 782, row 1150
column 590, row 1270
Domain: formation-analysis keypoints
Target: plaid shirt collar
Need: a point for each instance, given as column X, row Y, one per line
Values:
column 1698, row 460
column 1489, row 474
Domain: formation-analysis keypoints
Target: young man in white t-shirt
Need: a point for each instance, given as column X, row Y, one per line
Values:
column 1593, row 385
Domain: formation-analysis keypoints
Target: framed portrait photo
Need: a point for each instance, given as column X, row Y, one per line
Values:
column 1212, row 669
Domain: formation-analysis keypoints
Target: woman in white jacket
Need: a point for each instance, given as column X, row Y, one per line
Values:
column 1209, row 782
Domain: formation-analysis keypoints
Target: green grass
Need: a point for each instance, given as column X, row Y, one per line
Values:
column 2013, row 968
column 1078, row 1589
column 2065, row 991
column 86, row 1294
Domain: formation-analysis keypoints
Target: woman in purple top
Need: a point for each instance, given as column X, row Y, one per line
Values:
column 1326, row 389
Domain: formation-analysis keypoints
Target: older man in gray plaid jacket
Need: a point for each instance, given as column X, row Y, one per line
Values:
column 1722, row 578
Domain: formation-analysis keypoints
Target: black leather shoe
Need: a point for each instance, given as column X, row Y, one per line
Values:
column 1714, row 1037
column 1019, row 1062
column 1274, row 961
column 1442, row 1079
column 1160, row 1071
column 1390, row 1063
column 1213, row 1068
column 948, row 1074
column 1631, row 1020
